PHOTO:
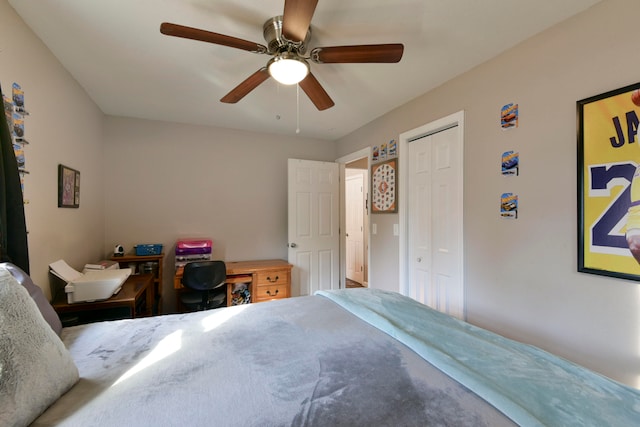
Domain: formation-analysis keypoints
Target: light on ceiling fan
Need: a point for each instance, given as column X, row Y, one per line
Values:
column 288, row 68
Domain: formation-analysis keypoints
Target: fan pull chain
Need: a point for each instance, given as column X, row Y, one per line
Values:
column 297, row 108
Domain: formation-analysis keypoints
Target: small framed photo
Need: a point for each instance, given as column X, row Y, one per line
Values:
column 68, row 187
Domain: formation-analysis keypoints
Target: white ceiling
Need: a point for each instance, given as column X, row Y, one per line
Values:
column 114, row 49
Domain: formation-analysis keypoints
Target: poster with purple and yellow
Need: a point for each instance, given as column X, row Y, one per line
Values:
column 608, row 155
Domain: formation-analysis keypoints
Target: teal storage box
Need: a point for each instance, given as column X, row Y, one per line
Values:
column 148, row 249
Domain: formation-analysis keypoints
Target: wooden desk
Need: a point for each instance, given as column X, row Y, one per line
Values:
column 135, row 299
column 138, row 264
column 268, row 279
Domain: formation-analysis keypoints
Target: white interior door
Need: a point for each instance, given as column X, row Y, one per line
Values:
column 433, row 259
column 313, row 225
column 355, row 201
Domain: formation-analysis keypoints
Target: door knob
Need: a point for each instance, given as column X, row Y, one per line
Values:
column 420, row 259
column 293, row 245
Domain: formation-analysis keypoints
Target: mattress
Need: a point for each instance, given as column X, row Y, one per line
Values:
column 296, row 362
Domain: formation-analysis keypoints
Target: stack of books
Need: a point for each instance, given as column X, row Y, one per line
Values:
column 190, row 250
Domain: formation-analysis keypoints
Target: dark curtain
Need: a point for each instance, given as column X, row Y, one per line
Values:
column 13, row 228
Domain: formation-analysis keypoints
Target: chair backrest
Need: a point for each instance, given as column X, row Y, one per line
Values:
column 204, row 275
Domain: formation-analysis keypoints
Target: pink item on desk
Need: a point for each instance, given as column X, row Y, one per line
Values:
column 193, row 246
column 193, row 243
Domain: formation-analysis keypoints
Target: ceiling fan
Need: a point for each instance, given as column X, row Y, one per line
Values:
column 287, row 38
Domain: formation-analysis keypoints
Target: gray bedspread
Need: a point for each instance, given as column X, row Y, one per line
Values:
column 295, row 362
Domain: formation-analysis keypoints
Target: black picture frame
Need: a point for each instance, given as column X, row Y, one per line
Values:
column 608, row 155
column 68, row 187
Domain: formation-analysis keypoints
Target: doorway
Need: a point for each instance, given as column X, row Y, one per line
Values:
column 356, row 222
column 354, row 219
column 431, row 214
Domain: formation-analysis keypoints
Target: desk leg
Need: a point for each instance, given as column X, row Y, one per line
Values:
column 132, row 308
column 151, row 299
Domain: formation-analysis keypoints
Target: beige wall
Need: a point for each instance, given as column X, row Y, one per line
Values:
column 521, row 276
column 64, row 126
column 166, row 181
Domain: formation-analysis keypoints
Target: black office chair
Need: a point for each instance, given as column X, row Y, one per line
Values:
column 205, row 283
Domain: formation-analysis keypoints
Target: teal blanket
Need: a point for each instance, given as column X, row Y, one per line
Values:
column 529, row 385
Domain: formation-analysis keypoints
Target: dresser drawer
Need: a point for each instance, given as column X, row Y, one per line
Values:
column 273, row 277
column 269, row 292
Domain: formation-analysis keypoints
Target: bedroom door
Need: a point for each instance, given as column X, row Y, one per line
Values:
column 355, row 209
column 313, row 225
column 433, row 239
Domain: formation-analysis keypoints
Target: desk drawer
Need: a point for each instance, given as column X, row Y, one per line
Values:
column 267, row 293
column 274, row 277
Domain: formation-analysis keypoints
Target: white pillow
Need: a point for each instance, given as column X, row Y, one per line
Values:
column 35, row 367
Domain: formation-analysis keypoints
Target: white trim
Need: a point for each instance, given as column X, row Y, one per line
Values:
column 365, row 152
column 455, row 119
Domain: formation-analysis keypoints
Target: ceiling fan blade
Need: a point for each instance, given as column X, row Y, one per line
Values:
column 358, row 54
column 316, row 93
column 297, row 18
column 207, row 36
column 252, row 82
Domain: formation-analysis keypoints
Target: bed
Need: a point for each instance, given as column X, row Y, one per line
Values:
column 356, row 357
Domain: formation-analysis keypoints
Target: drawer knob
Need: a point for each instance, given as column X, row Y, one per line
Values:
column 274, row 294
column 272, row 280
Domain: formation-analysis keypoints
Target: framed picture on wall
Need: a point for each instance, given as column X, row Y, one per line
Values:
column 384, row 185
column 608, row 183
column 68, row 187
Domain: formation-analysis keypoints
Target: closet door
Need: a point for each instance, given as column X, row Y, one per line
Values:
column 435, row 221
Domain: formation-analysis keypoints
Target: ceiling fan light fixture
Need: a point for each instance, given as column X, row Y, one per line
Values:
column 288, row 69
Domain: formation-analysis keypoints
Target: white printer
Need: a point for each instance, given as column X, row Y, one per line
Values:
column 92, row 285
